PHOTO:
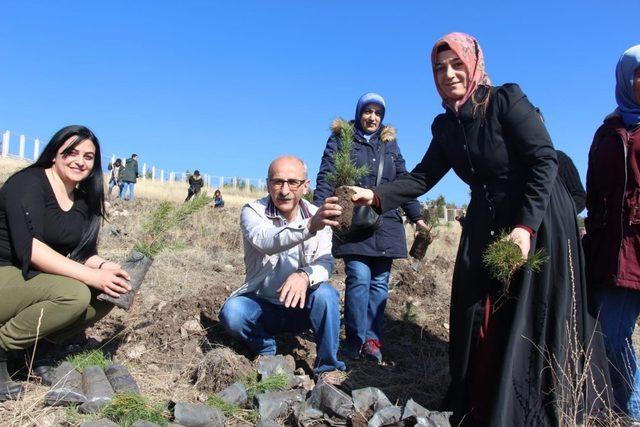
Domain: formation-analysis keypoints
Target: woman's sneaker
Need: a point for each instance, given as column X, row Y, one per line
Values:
column 371, row 350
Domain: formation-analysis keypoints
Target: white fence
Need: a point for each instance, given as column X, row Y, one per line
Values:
column 28, row 148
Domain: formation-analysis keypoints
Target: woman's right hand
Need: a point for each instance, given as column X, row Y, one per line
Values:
column 110, row 282
column 362, row 196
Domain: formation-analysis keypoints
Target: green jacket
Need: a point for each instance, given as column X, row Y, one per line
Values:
column 130, row 171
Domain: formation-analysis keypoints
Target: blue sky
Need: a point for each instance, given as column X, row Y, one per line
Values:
column 224, row 87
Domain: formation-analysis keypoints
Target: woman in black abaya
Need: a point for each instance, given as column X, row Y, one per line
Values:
column 514, row 350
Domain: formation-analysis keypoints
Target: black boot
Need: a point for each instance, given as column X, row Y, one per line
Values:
column 42, row 361
column 8, row 389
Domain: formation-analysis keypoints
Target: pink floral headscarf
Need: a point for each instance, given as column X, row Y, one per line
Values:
column 468, row 50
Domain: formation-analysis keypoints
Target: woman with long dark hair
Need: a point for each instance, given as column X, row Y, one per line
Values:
column 50, row 272
column 519, row 352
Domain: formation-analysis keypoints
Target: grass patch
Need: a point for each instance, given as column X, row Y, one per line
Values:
column 504, row 259
column 88, row 358
column 74, row 418
column 275, row 382
column 233, row 411
column 127, row 408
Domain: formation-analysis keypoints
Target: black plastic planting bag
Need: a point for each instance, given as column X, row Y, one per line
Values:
column 121, row 379
column 235, row 394
column 67, row 387
column 97, row 389
column 188, row 414
column 137, row 266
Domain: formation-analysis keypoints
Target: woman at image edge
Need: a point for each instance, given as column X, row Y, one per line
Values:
column 502, row 341
column 50, row 215
column 612, row 243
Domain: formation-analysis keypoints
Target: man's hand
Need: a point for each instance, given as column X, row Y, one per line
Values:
column 294, row 290
column 325, row 215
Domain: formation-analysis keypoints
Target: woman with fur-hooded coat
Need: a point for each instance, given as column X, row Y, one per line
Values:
column 368, row 257
column 524, row 353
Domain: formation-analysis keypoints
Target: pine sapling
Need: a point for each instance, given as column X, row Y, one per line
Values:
column 425, row 237
column 345, row 173
column 154, row 239
column 155, row 231
column 504, row 259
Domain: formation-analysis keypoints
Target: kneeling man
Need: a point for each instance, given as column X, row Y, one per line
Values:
column 287, row 256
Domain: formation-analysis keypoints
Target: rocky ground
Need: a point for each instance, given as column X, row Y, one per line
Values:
column 166, row 338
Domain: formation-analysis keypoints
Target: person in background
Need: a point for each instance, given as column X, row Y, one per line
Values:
column 50, row 271
column 612, row 242
column 195, row 185
column 510, row 343
column 287, row 255
column 369, row 256
column 129, row 177
column 114, row 177
column 218, row 201
column 568, row 174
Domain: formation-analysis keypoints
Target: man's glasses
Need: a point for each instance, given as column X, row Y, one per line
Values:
column 294, row 184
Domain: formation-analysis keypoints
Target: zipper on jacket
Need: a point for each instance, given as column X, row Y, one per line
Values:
column 624, row 190
column 466, row 146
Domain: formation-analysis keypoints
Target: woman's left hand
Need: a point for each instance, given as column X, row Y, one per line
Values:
column 522, row 238
column 420, row 225
column 109, row 265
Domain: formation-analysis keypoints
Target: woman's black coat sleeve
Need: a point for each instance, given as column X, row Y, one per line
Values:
column 433, row 166
column 412, row 207
column 25, row 216
column 532, row 143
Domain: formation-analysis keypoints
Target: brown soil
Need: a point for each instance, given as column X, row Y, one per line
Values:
column 166, row 338
column 420, row 244
column 344, row 200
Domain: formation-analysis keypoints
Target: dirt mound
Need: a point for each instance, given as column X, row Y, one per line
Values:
column 219, row 368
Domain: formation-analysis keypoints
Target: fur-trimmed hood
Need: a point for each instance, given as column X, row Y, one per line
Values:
column 387, row 134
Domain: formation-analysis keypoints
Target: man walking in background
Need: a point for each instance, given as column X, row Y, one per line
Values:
column 287, row 255
column 129, row 177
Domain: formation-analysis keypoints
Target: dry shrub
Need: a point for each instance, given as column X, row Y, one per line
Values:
column 581, row 399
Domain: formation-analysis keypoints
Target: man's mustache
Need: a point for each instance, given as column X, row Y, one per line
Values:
column 284, row 199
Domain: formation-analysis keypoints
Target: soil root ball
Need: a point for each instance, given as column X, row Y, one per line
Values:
column 344, row 200
column 219, row 368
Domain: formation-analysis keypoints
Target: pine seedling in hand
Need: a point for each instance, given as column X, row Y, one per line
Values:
column 346, row 172
column 504, row 259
